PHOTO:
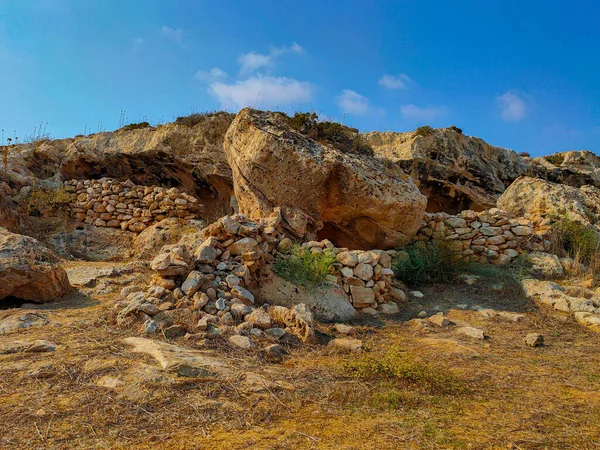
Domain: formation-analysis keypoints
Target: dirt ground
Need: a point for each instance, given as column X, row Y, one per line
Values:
column 451, row 391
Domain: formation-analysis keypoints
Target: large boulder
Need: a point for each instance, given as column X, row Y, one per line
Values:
column 29, row 271
column 353, row 199
column 328, row 302
column 543, row 198
column 456, row 172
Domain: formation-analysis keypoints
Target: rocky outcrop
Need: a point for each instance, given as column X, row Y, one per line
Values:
column 354, row 200
column 456, row 172
column 186, row 156
column 573, row 168
column 541, row 199
column 29, row 271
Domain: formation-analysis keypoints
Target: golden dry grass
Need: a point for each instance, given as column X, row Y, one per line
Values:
column 510, row 396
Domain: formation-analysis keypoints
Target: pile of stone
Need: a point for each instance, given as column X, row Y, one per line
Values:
column 110, row 203
column 202, row 285
column 365, row 275
column 487, row 237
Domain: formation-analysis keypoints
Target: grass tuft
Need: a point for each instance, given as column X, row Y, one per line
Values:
column 399, row 367
column 305, row 268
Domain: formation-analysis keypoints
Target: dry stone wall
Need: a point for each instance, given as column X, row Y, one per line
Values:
column 488, row 237
column 114, row 204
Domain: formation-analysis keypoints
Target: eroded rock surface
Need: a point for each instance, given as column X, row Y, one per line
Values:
column 456, row 172
column 354, row 200
column 30, row 271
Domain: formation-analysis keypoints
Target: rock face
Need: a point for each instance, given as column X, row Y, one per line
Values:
column 353, row 200
column 573, row 168
column 187, row 156
column 542, row 198
column 455, row 172
column 29, row 271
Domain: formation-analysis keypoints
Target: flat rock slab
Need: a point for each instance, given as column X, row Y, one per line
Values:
column 88, row 275
column 184, row 362
column 17, row 322
column 38, row 346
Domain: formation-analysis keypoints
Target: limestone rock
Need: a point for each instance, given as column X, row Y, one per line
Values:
column 15, row 322
column 352, row 345
column 355, row 198
column 534, row 340
column 456, row 172
column 30, row 271
column 298, row 319
column 329, row 302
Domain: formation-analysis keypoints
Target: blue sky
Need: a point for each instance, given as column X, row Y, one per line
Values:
column 522, row 75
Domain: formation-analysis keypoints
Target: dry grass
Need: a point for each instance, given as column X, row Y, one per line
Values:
column 510, row 396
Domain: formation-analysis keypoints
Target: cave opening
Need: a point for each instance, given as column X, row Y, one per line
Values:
column 12, row 302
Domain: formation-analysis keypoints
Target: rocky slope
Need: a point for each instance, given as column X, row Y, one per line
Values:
column 573, row 168
column 456, row 172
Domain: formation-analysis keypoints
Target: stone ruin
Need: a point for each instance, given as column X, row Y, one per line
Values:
column 485, row 237
column 115, row 204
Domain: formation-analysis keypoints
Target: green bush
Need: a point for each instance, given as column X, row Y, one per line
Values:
column 431, row 263
column 575, row 239
column 135, row 126
column 305, row 268
column 344, row 138
column 196, row 118
column 425, row 130
column 45, row 199
column 395, row 365
column 557, row 159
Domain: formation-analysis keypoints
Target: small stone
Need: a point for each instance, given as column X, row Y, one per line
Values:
column 41, row 346
column 274, row 352
column 344, row 329
column 534, row 340
column 472, row 332
column 348, row 259
column 192, row 283
column 174, row 331
column 275, row 333
column 364, row 271
column 243, row 294
column 417, row 294
column 352, row 345
column 259, row 318
column 422, row 314
column 388, row 308
column 439, row 320
column 150, row 326
column 220, row 304
column 232, row 281
column 239, row 341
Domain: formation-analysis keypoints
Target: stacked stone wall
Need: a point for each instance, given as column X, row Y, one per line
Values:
column 115, row 204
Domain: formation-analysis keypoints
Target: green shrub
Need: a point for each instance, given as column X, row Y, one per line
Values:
column 45, row 199
column 395, row 365
column 425, row 130
column 196, row 118
column 344, row 138
column 431, row 263
column 305, row 268
column 557, row 159
column 575, row 239
column 135, row 126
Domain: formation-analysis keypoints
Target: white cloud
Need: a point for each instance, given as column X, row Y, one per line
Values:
column 395, row 81
column 251, row 62
column 175, row 35
column 262, row 91
column 214, row 74
column 413, row 112
column 352, row 102
column 137, row 43
column 512, row 107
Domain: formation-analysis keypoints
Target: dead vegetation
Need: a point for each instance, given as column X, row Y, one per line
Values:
column 406, row 390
